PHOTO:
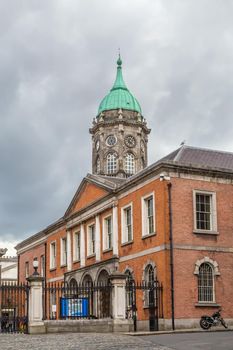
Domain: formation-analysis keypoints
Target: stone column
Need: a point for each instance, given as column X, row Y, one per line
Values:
column 120, row 323
column 118, row 281
column 115, row 229
column 69, row 255
column 82, row 246
column 97, row 238
column 35, row 312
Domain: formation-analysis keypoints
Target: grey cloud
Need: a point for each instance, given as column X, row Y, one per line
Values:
column 57, row 61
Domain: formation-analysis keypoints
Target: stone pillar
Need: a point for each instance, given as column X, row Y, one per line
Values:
column 35, row 312
column 97, row 238
column 82, row 246
column 69, row 255
column 118, row 281
column 115, row 229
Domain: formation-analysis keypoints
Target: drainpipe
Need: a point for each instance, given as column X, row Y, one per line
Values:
column 169, row 187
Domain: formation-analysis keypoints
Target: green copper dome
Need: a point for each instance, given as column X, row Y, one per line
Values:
column 119, row 96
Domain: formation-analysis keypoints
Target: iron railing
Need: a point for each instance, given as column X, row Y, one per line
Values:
column 146, row 297
column 14, row 307
column 80, row 301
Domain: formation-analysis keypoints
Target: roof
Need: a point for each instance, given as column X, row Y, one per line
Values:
column 201, row 157
column 192, row 158
column 108, row 182
column 119, row 96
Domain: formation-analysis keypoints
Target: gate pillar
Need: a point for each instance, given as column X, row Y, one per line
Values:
column 35, row 314
column 118, row 281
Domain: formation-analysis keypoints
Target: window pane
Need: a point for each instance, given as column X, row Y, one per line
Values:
column 150, row 217
column 129, row 164
column 128, row 224
column 205, row 283
column 111, row 163
column 203, row 211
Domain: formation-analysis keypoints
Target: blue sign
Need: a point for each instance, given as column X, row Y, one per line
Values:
column 74, row 307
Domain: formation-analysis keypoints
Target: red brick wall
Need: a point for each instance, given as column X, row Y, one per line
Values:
column 29, row 256
column 186, row 293
column 90, row 194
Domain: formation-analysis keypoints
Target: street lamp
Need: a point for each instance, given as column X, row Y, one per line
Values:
column 35, row 266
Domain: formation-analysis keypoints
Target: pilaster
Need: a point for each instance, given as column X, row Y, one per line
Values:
column 82, row 246
column 35, row 314
column 115, row 230
column 97, row 238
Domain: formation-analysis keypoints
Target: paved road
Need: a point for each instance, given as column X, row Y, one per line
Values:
column 194, row 341
column 75, row 341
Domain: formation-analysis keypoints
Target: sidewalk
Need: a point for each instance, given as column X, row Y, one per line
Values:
column 192, row 330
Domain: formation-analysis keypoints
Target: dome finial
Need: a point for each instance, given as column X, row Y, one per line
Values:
column 119, row 61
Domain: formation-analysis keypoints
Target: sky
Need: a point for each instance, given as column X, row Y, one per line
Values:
column 57, row 62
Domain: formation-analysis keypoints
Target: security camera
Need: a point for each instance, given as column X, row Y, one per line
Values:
column 163, row 177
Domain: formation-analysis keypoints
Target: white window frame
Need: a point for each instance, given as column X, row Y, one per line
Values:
column 129, row 163
column 42, row 265
column 63, row 251
column 52, row 260
column 213, row 214
column 111, row 163
column 76, row 254
column 213, row 301
column 144, row 210
column 26, row 269
column 106, row 245
column 90, row 251
column 124, row 233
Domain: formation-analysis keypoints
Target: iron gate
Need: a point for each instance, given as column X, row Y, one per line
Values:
column 148, row 296
column 14, row 308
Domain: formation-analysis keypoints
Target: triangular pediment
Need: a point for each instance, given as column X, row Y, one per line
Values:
column 91, row 189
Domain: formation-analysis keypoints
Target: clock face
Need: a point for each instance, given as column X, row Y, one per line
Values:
column 111, row 140
column 97, row 145
column 130, row 141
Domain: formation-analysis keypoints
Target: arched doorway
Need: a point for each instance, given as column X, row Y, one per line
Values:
column 103, row 294
column 88, row 292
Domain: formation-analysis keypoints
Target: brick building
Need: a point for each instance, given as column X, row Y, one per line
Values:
column 8, row 267
column 171, row 221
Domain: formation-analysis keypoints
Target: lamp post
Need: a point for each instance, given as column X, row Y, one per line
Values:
column 35, row 266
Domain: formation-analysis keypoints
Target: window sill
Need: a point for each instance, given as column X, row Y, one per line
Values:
column 52, row 268
column 126, row 243
column 206, row 232
column 149, row 235
column 91, row 256
column 63, row 265
column 207, row 305
column 107, row 250
column 76, row 261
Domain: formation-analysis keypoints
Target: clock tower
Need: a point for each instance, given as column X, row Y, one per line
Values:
column 119, row 133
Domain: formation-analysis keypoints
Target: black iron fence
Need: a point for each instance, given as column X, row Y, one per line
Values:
column 14, row 308
column 79, row 301
column 144, row 301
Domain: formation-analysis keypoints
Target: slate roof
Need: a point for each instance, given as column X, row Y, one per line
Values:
column 201, row 157
column 110, row 182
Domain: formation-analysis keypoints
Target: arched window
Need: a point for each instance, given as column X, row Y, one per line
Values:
column 103, row 295
column 149, row 279
column 73, row 286
column 206, row 283
column 129, row 164
column 111, row 163
column 129, row 289
column 98, row 165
